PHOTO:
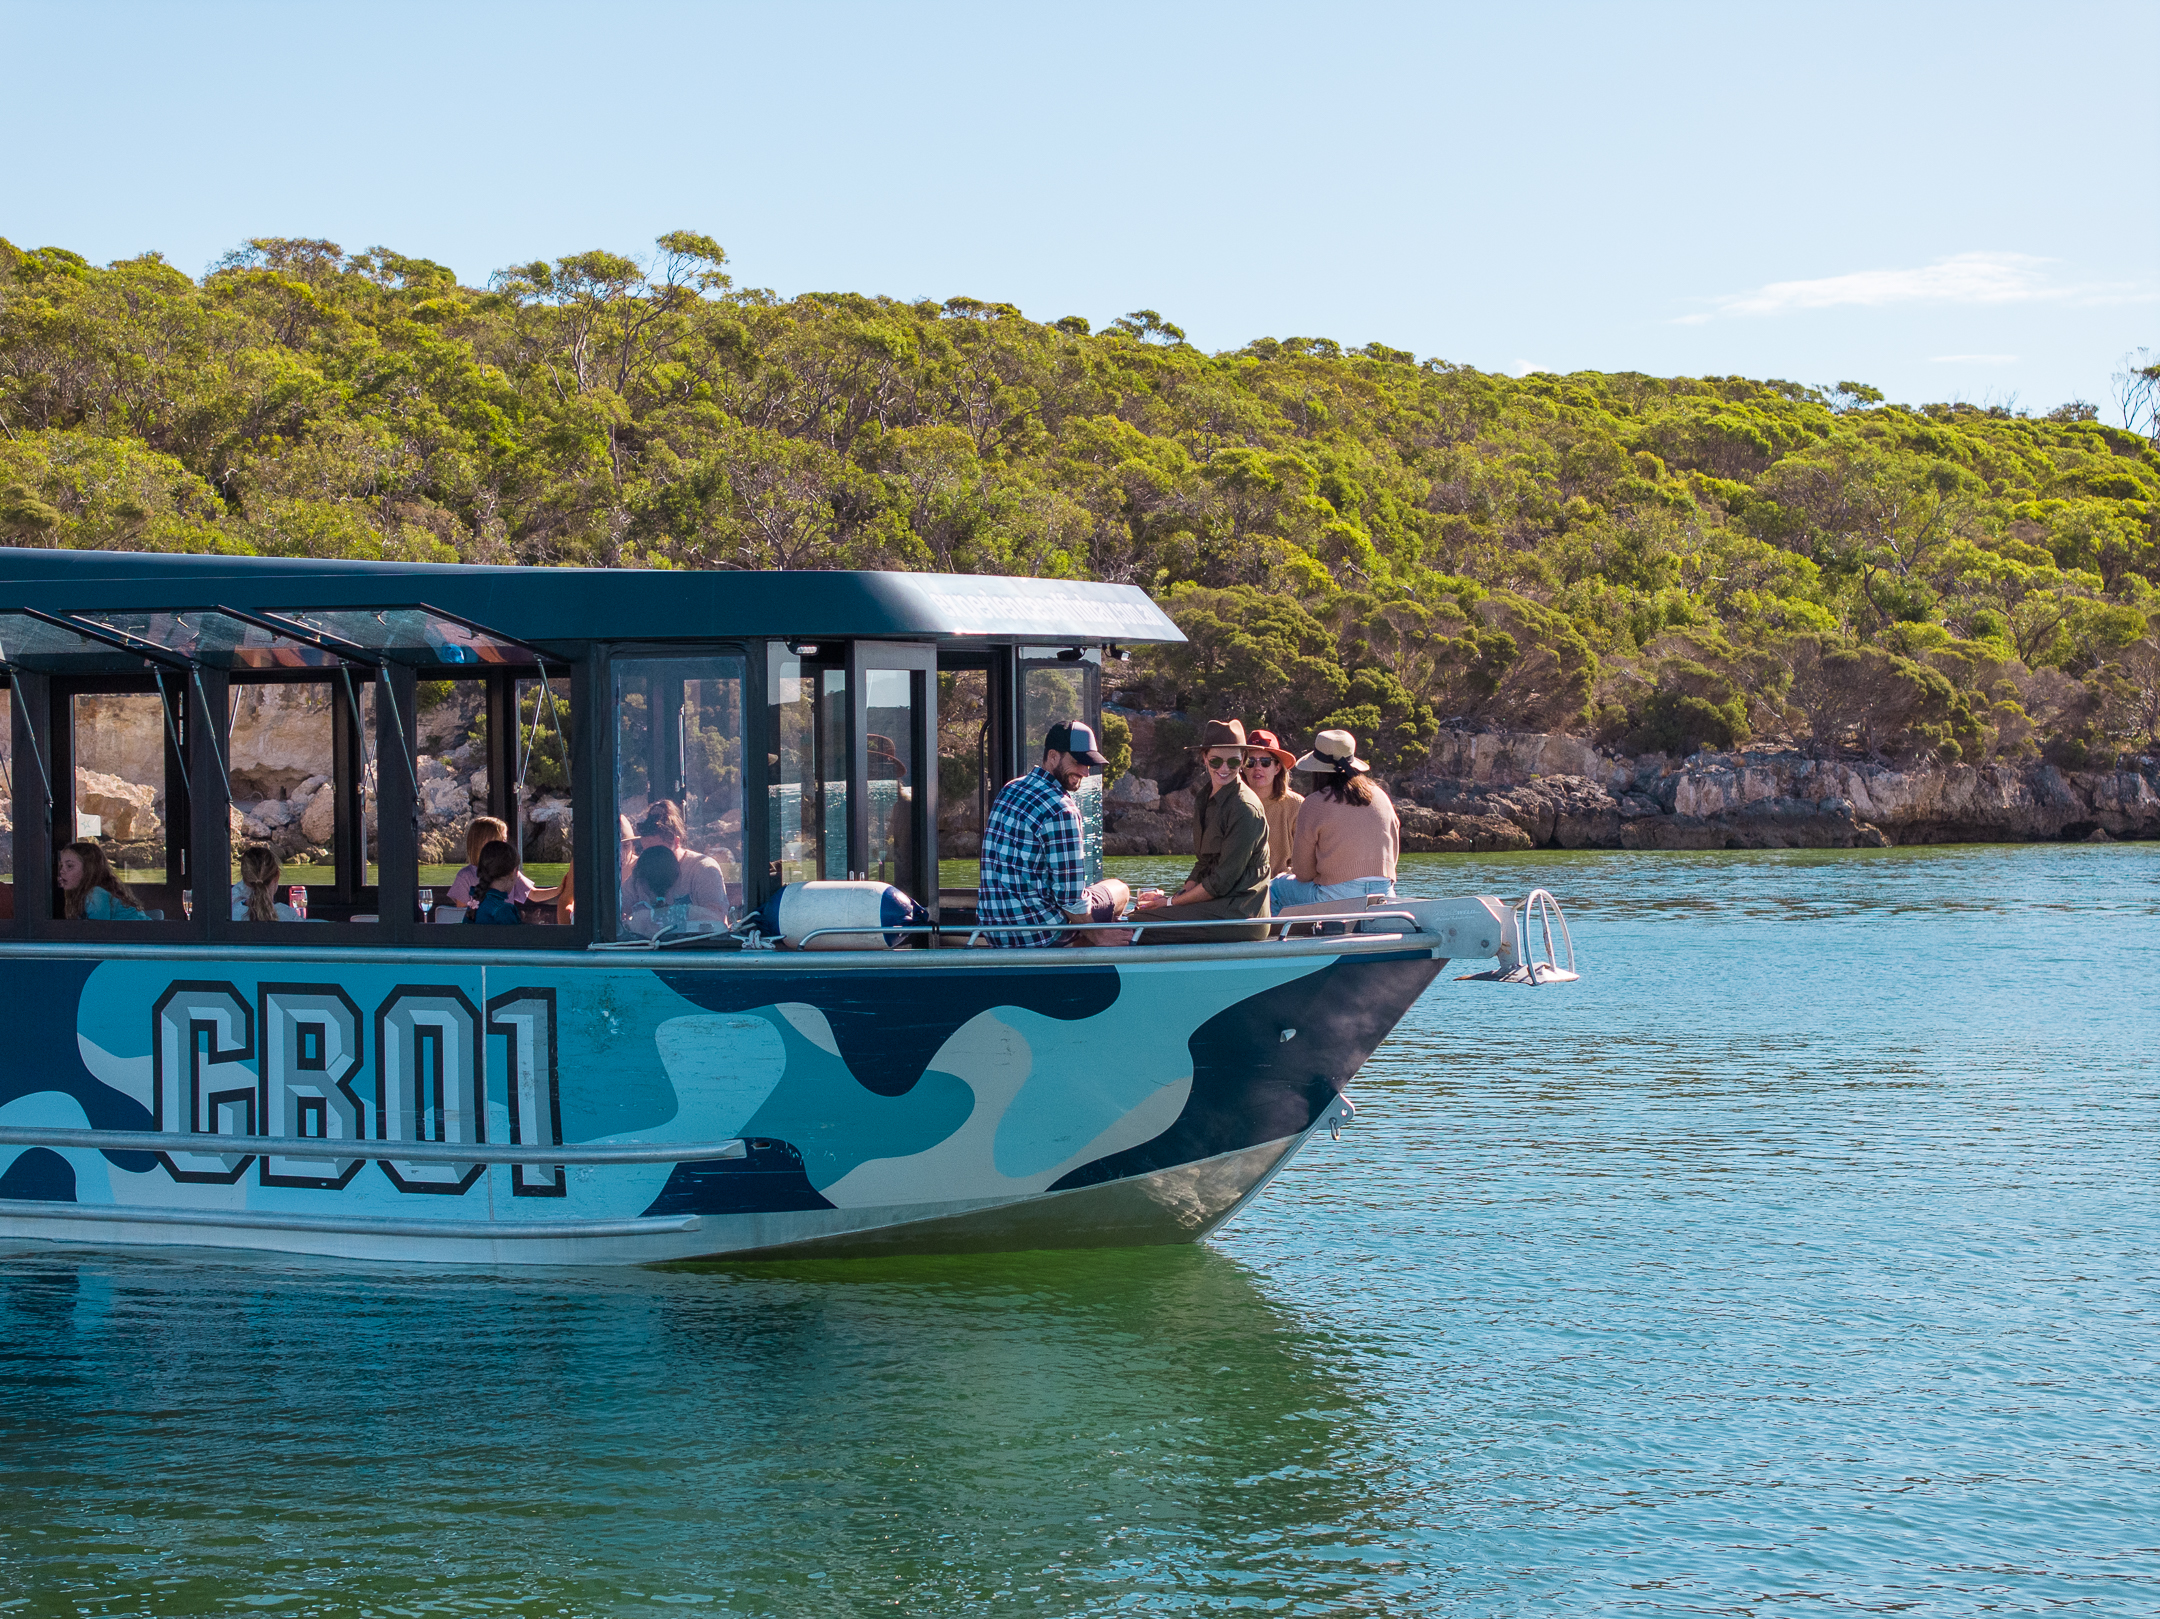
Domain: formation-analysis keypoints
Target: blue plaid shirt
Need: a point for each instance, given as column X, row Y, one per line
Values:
column 1034, row 866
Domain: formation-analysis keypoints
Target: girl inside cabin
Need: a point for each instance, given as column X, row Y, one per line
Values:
column 254, row 896
column 496, row 879
column 89, row 892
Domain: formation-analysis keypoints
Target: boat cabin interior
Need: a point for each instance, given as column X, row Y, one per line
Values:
column 357, row 718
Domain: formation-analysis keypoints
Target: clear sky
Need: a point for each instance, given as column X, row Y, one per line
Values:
column 1947, row 201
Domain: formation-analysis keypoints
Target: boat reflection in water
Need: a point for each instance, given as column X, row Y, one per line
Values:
column 1097, row 1426
column 620, row 1076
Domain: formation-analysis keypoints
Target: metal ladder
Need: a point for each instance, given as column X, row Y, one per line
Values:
column 1519, row 963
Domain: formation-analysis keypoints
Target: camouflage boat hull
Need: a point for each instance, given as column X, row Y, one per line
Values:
column 626, row 1107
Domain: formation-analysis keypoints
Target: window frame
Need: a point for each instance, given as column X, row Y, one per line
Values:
column 596, row 743
column 180, row 798
column 198, row 695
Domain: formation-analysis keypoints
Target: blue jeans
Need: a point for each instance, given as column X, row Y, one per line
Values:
column 1289, row 891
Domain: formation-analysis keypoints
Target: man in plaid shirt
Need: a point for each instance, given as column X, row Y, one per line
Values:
column 1034, row 869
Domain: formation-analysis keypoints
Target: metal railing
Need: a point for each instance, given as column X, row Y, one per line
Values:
column 1134, row 925
column 404, row 1152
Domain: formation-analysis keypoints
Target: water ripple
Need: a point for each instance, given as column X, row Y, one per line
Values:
column 1802, row 1259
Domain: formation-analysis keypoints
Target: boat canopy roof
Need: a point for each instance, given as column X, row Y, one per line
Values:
column 272, row 610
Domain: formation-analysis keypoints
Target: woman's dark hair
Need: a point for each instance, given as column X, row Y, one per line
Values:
column 259, row 872
column 663, row 818
column 656, row 871
column 1345, row 787
column 97, row 873
column 497, row 861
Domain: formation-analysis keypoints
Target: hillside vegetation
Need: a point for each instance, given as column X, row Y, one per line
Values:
column 1353, row 535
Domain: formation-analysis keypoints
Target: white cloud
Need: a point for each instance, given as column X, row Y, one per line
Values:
column 1972, row 359
column 1964, row 278
column 1523, row 368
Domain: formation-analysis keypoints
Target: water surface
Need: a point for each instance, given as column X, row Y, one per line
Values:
column 1800, row 1260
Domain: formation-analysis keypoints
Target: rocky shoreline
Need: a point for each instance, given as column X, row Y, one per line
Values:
column 1497, row 791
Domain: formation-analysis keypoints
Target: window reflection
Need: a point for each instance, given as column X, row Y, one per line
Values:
column 679, row 788
column 808, row 769
column 893, row 699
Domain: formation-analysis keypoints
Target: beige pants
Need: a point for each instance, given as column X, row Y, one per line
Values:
column 1106, row 902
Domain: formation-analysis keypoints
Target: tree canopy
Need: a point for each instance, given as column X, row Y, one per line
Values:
column 1346, row 533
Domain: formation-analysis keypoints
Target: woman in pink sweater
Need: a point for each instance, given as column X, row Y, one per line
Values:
column 1348, row 835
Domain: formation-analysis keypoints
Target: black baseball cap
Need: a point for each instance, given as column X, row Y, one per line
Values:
column 1076, row 739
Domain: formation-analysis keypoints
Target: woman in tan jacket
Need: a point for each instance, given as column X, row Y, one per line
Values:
column 1267, row 773
column 1348, row 836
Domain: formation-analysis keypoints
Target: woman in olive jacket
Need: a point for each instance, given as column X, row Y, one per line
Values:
column 1230, row 849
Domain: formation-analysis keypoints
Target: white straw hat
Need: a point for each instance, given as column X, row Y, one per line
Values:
column 1331, row 751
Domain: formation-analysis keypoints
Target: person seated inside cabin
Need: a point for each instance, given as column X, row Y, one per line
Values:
column 254, row 896
column 699, row 875
column 89, row 892
column 485, row 829
column 1034, row 860
column 496, row 875
column 563, row 896
column 662, row 893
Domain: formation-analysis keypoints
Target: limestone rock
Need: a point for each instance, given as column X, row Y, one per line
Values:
column 126, row 810
column 280, row 740
column 1427, row 831
column 1135, row 792
column 1148, row 832
column 319, row 819
column 1770, row 797
column 547, row 829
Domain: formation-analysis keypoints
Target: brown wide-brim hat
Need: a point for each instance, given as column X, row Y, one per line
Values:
column 1331, row 750
column 1221, row 734
column 1268, row 742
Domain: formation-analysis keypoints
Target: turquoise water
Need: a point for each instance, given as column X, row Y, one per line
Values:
column 1802, row 1260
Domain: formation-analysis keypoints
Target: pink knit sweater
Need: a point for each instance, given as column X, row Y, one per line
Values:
column 1339, row 843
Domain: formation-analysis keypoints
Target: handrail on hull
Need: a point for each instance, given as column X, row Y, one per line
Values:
column 403, row 1152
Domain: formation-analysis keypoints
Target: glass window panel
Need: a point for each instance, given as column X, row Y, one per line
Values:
column 964, row 785
column 808, row 770
column 281, row 765
column 7, row 802
column 1054, row 689
column 31, row 643
column 119, row 746
column 679, row 740
column 213, row 638
column 365, row 693
column 543, row 793
column 893, row 700
column 414, row 634
column 450, row 758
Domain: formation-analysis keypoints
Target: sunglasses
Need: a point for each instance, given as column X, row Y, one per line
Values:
column 1234, row 762
column 1264, row 761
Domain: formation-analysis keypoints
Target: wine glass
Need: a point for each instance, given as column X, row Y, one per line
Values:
column 187, row 903
column 427, row 904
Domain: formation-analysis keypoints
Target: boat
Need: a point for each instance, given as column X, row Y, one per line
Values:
column 833, row 1059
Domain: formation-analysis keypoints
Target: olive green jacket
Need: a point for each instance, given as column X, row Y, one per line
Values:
column 1230, row 848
